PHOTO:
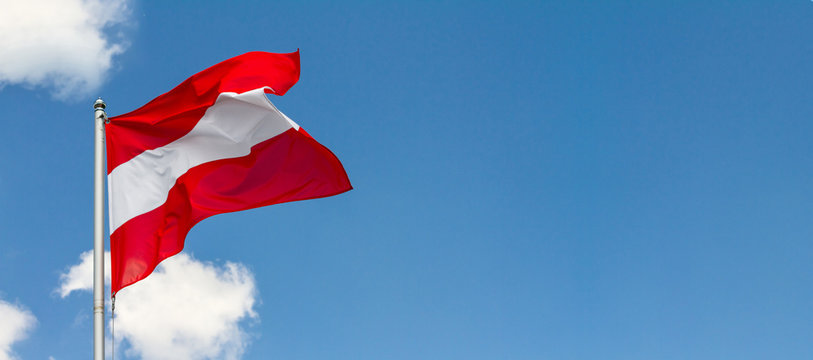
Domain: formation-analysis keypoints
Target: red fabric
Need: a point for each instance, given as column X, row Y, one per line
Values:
column 288, row 167
column 173, row 114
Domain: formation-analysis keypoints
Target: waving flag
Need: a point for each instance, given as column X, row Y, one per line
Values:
column 214, row 144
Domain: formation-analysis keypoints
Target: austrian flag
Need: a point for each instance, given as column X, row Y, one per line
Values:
column 213, row 144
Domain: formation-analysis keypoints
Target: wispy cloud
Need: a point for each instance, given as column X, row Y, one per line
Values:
column 15, row 324
column 187, row 309
column 60, row 45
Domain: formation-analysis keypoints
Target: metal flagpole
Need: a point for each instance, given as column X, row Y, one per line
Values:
column 98, row 229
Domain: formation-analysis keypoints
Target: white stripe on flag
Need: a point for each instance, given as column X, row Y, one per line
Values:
column 228, row 129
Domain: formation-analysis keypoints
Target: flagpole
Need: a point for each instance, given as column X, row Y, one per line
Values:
column 98, row 229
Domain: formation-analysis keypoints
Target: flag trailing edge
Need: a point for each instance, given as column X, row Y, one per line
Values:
column 213, row 144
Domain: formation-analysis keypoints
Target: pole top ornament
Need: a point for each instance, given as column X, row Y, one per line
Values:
column 99, row 104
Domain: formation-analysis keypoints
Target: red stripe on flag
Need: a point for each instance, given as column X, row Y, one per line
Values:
column 291, row 166
column 173, row 114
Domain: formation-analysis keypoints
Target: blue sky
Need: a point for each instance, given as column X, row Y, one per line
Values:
column 533, row 180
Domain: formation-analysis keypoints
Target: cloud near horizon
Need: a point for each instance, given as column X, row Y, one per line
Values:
column 187, row 308
column 15, row 325
column 60, row 45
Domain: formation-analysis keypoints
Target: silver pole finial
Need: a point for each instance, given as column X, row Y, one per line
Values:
column 99, row 104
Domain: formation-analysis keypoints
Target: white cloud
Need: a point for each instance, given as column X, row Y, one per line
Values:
column 187, row 309
column 15, row 325
column 80, row 276
column 60, row 44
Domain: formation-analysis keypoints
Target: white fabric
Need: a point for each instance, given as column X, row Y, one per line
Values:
column 228, row 129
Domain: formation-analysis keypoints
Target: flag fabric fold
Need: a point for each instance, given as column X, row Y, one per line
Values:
column 213, row 144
